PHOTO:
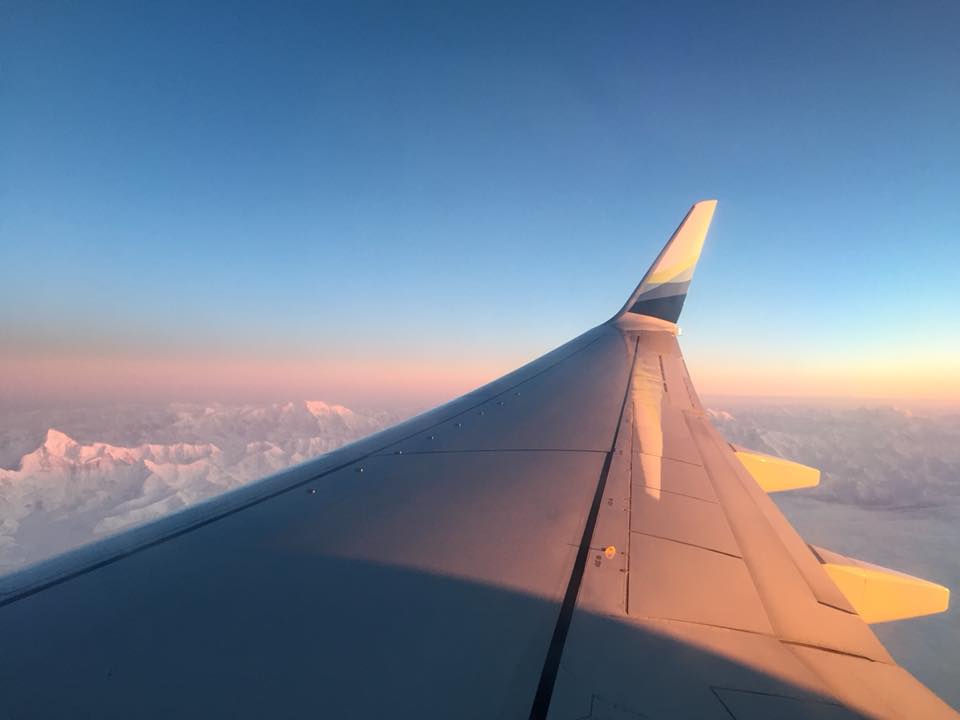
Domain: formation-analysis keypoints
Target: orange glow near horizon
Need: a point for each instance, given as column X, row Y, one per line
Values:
column 922, row 382
column 46, row 378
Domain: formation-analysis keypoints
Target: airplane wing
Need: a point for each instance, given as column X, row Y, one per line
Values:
column 573, row 540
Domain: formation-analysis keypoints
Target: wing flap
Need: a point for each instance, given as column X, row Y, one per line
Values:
column 795, row 611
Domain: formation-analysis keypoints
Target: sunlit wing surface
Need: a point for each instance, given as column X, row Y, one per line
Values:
column 574, row 540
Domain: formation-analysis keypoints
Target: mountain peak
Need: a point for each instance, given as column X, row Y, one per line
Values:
column 58, row 443
column 318, row 408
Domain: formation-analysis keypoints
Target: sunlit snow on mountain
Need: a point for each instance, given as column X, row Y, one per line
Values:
column 98, row 471
column 879, row 457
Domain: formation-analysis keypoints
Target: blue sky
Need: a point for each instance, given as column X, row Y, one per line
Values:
column 446, row 190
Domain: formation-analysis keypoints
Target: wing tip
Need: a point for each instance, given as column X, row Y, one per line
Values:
column 663, row 289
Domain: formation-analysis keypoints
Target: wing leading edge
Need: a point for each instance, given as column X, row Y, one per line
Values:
column 573, row 540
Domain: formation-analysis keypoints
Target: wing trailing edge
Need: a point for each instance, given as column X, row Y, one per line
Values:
column 664, row 287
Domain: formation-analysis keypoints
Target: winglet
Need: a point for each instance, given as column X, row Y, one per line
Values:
column 664, row 288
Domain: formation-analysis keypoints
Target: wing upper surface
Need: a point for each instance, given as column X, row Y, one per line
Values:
column 717, row 608
column 396, row 578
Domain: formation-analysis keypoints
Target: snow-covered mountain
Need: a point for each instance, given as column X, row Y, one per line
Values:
column 67, row 491
column 67, row 477
column 880, row 457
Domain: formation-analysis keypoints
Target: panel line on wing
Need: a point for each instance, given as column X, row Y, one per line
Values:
column 698, row 623
column 492, row 450
column 688, row 544
column 551, row 665
column 674, row 492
